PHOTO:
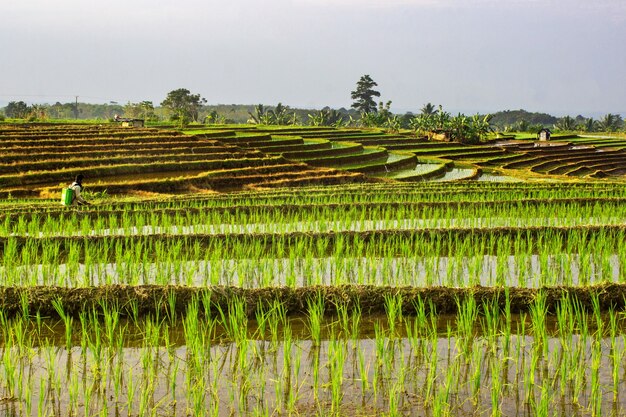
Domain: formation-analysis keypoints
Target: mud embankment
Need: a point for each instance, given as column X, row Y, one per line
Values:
column 153, row 299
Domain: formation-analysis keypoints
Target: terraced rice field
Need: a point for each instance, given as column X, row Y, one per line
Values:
column 394, row 156
column 440, row 299
column 419, row 171
column 576, row 157
column 38, row 160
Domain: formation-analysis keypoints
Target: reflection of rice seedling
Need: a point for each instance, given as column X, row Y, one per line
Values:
column 134, row 328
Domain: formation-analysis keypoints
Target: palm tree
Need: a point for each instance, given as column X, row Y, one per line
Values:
column 428, row 109
column 587, row 125
column 522, row 126
column 591, row 125
column 281, row 115
column 566, row 123
column 258, row 117
column 610, row 123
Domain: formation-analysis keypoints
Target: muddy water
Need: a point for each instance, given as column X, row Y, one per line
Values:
column 515, row 270
column 169, row 371
column 456, row 174
column 498, row 178
column 347, row 226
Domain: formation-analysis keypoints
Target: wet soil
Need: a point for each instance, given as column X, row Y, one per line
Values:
column 148, row 299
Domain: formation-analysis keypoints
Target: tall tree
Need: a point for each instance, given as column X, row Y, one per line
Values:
column 143, row 109
column 428, row 109
column 183, row 104
column 364, row 95
column 610, row 123
column 17, row 109
column 282, row 116
column 38, row 111
column 566, row 123
column 590, row 125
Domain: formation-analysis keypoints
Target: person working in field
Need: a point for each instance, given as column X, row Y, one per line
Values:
column 77, row 187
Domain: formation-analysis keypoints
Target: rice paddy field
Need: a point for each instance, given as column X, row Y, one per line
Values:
column 364, row 296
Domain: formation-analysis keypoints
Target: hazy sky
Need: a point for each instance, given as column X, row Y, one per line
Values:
column 559, row 56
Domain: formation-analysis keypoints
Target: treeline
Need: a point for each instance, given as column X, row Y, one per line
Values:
column 508, row 118
column 524, row 121
column 505, row 121
column 214, row 113
column 32, row 112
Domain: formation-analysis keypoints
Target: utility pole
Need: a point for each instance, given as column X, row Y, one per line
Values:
column 76, row 108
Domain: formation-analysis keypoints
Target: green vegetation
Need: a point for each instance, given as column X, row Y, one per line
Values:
column 143, row 110
column 17, row 109
column 62, row 112
column 400, row 282
column 521, row 120
column 459, row 128
column 40, row 158
column 328, row 117
column 364, row 94
column 278, row 116
column 367, row 299
column 183, row 106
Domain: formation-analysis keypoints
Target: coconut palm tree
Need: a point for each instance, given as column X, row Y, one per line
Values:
column 610, row 123
column 587, row 125
column 522, row 126
column 282, row 116
column 428, row 109
column 566, row 123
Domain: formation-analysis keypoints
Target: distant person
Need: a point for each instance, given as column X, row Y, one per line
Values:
column 116, row 118
column 77, row 187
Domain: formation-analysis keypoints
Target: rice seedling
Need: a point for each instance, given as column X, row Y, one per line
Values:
column 193, row 355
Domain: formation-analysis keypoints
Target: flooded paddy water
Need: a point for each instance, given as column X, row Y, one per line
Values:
column 331, row 301
column 348, row 364
column 348, row 225
column 529, row 271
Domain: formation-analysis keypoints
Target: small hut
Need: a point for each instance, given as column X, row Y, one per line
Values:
column 544, row 135
column 133, row 123
column 126, row 122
